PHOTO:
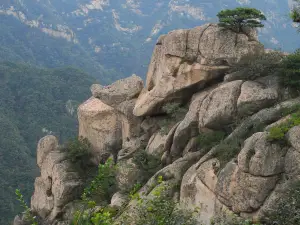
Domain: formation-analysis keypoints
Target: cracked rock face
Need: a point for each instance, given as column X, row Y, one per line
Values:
column 184, row 61
column 250, row 187
column 58, row 184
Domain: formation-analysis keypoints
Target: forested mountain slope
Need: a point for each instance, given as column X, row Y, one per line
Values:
column 34, row 102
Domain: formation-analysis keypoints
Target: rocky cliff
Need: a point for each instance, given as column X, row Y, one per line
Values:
column 243, row 174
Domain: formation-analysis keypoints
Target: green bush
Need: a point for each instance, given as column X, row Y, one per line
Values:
column 227, row 150
column 295, row 13
column 238, row 18
column 94, row 216
column 78, row 150
column 103, row 185
column 290, row 70
column 148, row 164
column 210, row 139
column 175, row 113
column 161, row 209
column 258, row 65
column 277, row 133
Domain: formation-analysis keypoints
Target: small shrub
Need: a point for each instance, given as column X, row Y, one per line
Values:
column 227, row 150
column 161, row 210
column 277, row 133
column 147, row 164
column 27, row 212
column 133, row 194
column 290, row 70
column 93, row 216
column 254, row 66
column 210, row 139
column 78, row 150
column 175, row 113
column 295, row 13
column 103, row 185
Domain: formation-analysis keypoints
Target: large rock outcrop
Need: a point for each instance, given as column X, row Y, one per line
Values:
column 184, row 61
column 244, row 175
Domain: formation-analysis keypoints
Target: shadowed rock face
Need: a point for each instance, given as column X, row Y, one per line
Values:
column 185, row 59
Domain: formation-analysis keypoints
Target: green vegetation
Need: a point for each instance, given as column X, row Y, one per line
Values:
column 94, row 216
column 227, row 150
column 210, row 139
column 34, row 102
column 147, row 164
column 254, row 66
column 290, row 70
column 239, row 18
column 133, row 194
column 103, row 185
column 277, row 133
column 175, row 113
column 20, row 43
column 160, row 209
column 27, row 213
column 288, row 211
column 78, row 150
column 295, row 12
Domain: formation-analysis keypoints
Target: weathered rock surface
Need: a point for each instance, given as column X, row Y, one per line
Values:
column 219, row 107
column 198, row 187
column 185, row 60
column 156, row 144
column 119, row 200
column 188, row 128
column 118, row 92
column 100, row 124
column 255, row 96
column 45, row 145
column 260, row 157
column 58, row 184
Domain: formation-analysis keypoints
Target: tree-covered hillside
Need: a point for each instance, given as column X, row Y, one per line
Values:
column 34, row 102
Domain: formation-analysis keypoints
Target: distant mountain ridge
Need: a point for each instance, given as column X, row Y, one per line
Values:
column 113, row 39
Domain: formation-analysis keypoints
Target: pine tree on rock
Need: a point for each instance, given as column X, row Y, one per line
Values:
column 239, row 18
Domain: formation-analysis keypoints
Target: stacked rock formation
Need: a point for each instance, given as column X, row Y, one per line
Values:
column 188, row 67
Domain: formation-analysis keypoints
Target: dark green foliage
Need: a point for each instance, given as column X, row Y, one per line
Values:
column 210, row 139
column 288, row 211
column 32, row 104
column 78, row 150
column 227, row 150
column 290, row 70
column 103, row 185
column 147, row 164
column 175, row 113
column 258, row 65
column 239, row 18
column 295, row 13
